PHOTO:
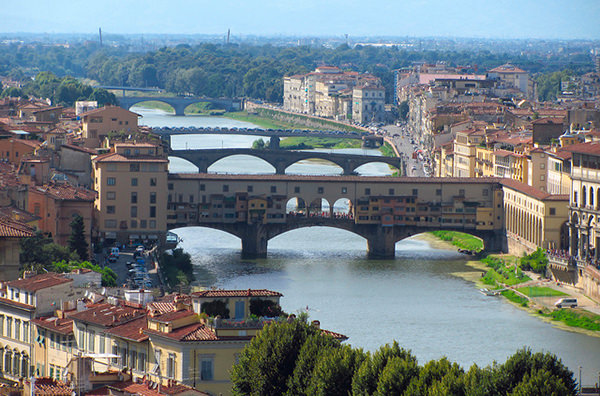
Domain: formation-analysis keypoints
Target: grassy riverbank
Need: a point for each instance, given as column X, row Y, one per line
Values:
column 460, row 240
column 302, row 143
column 264, row 122
column 504, row 272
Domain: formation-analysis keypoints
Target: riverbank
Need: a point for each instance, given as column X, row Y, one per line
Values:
column 536, row 297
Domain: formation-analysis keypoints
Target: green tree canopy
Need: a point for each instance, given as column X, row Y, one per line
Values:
column 77, row 241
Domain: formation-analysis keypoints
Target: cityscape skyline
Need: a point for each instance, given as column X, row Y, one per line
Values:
column 509, row 19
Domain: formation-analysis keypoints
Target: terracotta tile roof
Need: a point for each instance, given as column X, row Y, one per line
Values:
column 236, row 293
column 10, row 228
column 534, row 192
column 170, row 316
column 108, row 315
column 143, row 389
column 51, row 387
column 102, row 109
column 549, row 120
column 507, row 68
column 584, row 148
column 67, row 192
column 133, row 330
column 160, row 307
column 39, row 282
column 78, row 148
column 114, row 157
column 14, row 213
column 193, row 332
column 57, row 325
column 6, row 301
column 335, row 335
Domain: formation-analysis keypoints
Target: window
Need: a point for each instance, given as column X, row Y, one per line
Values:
column 111, row 181
column 127, row 151
column 225, row 188
column 202, row 187
column 206, row 369
column 153, row 182
column 111, row 195
column 134, row 197
column 191, row 199
column 102, row 344
column 170, row 186
column 152, row 224
column 344, row 190
column 91, row 341
column 142, row 223
column 552, row 211
column 134, row 181
column 152, row 211
column 141, row 362
column 320, row 190
column 1, row 324
column 485, row 192
column 26, row 332
column 250, row 188
column 273, row 189
column 296, row 190
column 461, row 192
column 133, row 211
column 391, row 191
column 133, row 224
column 115, row 351
column 171, row 365
column 17, row 329
column 367, row 191
column 153, row 197
column 110, row 209
column 110, row 223
column 9, row 322
column 134, row 167
column 438, row 192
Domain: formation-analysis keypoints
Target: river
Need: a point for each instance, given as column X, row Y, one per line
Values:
column 415, row 299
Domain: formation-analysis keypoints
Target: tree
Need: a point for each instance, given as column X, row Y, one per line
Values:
column 403, row 109
column 77, row 242
column 269, row 360
column 258, row 144
column 541, row 383
column 39, row 252
column 333, row 371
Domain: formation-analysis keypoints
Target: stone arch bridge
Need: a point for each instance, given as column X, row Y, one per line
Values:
column 383, row 210
column 179, row 103
column 281, row 159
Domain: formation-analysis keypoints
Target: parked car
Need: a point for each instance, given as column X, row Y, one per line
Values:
column 566, row 303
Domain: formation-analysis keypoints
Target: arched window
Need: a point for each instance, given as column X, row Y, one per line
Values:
column 583, row 196
column 591, row 196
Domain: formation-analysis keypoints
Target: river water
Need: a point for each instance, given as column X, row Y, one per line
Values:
column 416, row 299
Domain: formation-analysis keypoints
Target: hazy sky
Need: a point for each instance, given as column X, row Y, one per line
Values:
column 457, row 18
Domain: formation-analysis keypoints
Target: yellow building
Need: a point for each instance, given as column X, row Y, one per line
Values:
column 201, row 353
column 559, row 171
column 485, row 162
column 97, row 124
column 54, row 344
column 534, row 218
column 465, row 152
column 21, row 301
column 131, row 182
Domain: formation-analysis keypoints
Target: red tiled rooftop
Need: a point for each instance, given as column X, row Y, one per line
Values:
column 193, row 332
column 108, row 315
column 533, row 192
column 170, row 316
column 51, row 387
column 133, row 330
column 507, row 68
column 114, row 157
column 39, row 282
column 237, row 293
column 143, row 389
column 58, row 325
column 10, row 228
column 584, row 148
column 67, row 192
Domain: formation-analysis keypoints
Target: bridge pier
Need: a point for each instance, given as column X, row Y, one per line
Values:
column 180, row 109
column 254, row 241
column 382, row 245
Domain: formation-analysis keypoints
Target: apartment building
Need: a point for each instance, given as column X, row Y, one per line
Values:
column 515, row 77
column 368, row 103
column 11, row 234
column 465, row 151
column 22, row 301
column 131, row 183
column 97, row 124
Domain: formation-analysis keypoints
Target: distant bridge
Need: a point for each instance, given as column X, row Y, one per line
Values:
column 179, row 103
column 281, row 159
column 165, row 132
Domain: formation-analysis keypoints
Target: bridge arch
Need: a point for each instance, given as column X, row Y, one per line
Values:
column 370, row 168
column 296, row 167
column 148, row 100
column 231, row 163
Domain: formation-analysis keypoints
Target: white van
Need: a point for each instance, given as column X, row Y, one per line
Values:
column 566, row 303
column 114, row 252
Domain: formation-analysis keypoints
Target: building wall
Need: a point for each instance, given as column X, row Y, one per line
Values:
column 118, row 216
column 97, row 125
column 13, row 150
column 10, row 249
